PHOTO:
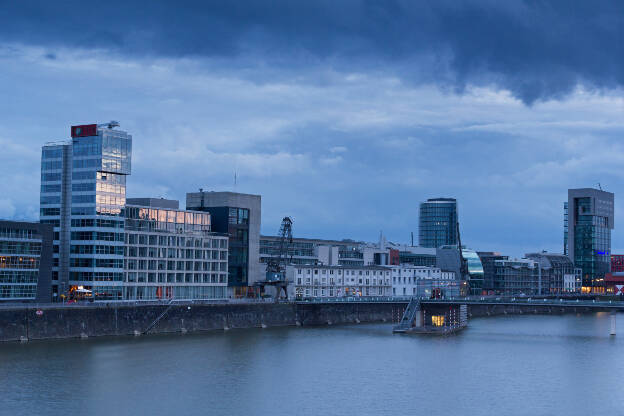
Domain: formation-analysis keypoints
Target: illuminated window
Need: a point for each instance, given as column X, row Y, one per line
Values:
column 437, row 320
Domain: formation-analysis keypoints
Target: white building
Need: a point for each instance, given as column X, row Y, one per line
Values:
column 408, row 280
column 172, row 254
column 308, row 281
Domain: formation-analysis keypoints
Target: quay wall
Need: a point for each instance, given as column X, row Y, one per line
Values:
column 56, row 322
column 475, row 311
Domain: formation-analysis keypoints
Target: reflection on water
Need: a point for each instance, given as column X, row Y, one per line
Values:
column 514, row 365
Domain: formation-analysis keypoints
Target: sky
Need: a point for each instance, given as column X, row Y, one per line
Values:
column 343, row 115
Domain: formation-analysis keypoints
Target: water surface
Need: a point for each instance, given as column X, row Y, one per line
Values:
column 513, row 365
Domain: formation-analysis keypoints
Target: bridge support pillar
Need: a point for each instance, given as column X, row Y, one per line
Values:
column 418, row 320
column 612, row 331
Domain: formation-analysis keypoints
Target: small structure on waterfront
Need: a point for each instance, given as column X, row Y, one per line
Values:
column 434, row 319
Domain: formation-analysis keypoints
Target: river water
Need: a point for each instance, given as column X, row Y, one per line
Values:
column 513, row 365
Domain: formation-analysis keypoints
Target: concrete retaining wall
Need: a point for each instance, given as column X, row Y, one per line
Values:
column 89, row 321
column 494, row 310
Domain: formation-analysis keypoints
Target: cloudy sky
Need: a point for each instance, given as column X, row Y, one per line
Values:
column 344, row 115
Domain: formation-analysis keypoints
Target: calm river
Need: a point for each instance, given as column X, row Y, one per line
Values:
column 519, row 365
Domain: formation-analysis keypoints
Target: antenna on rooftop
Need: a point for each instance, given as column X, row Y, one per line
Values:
column 599, row 187
column 111, row 124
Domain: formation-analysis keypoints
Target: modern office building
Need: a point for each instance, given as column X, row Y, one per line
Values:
column 557, row 273
column 25, row 262
column 311, row 281
column 170, row 254
column 438, row 223
column 516, row 277
column 237, row 215
column 83, row 193
column 489, row 270
column 448, row 260
column 590, row 220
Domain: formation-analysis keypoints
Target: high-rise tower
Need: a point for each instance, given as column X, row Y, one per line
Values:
column 589, row 224
column 438, row 223
column 83, row 193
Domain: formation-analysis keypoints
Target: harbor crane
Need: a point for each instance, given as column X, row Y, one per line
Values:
column 276, row 266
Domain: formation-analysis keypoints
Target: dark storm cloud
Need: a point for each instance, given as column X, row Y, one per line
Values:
column 537, row 49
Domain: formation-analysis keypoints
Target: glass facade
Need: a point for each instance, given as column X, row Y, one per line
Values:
column 438, row 223
column 20, row 252
column 475, row 271
column 83, row 194
column 238, row 228
column 592, row 242
column 25, row 261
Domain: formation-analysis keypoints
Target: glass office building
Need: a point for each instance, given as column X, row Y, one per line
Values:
column 438, row 223
column 590, row 219
column 83, row 193
column 25, row 261
column 475, row 271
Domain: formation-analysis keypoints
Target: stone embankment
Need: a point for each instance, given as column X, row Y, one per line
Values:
column 56, row 321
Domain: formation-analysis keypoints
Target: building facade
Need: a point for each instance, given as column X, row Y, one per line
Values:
column 590, row 219
column 438, row 223
column 25, row 262
column 517, row 277
column 448, row 259
column 312, row 281
column 558, row 274
column 327, row 252
column 83, row 193
column 419, row 281
column 237, row 215
column 170, row 254
column 489, row 270
column 617, row 263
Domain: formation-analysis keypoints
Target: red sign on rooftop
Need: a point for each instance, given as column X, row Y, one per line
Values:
column 84, row 130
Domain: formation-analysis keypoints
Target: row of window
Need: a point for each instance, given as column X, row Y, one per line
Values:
column 144, row 277
column 95, row 236
column 17, row 291
column 94, row 276
column 81, row 163
column 173, row 253
column 95, row 249
column 50, row 176
column 340, row 292
column 323, row 282
column 51, row 152
column 19, row 247
column 346, row 272
column 19, row 262
column 157, row 226
column 165, row 215
column 22, row 276
column 173, row 292
column 96, row 262
column 133, row 264
column 174, row 241
column 97, row 222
